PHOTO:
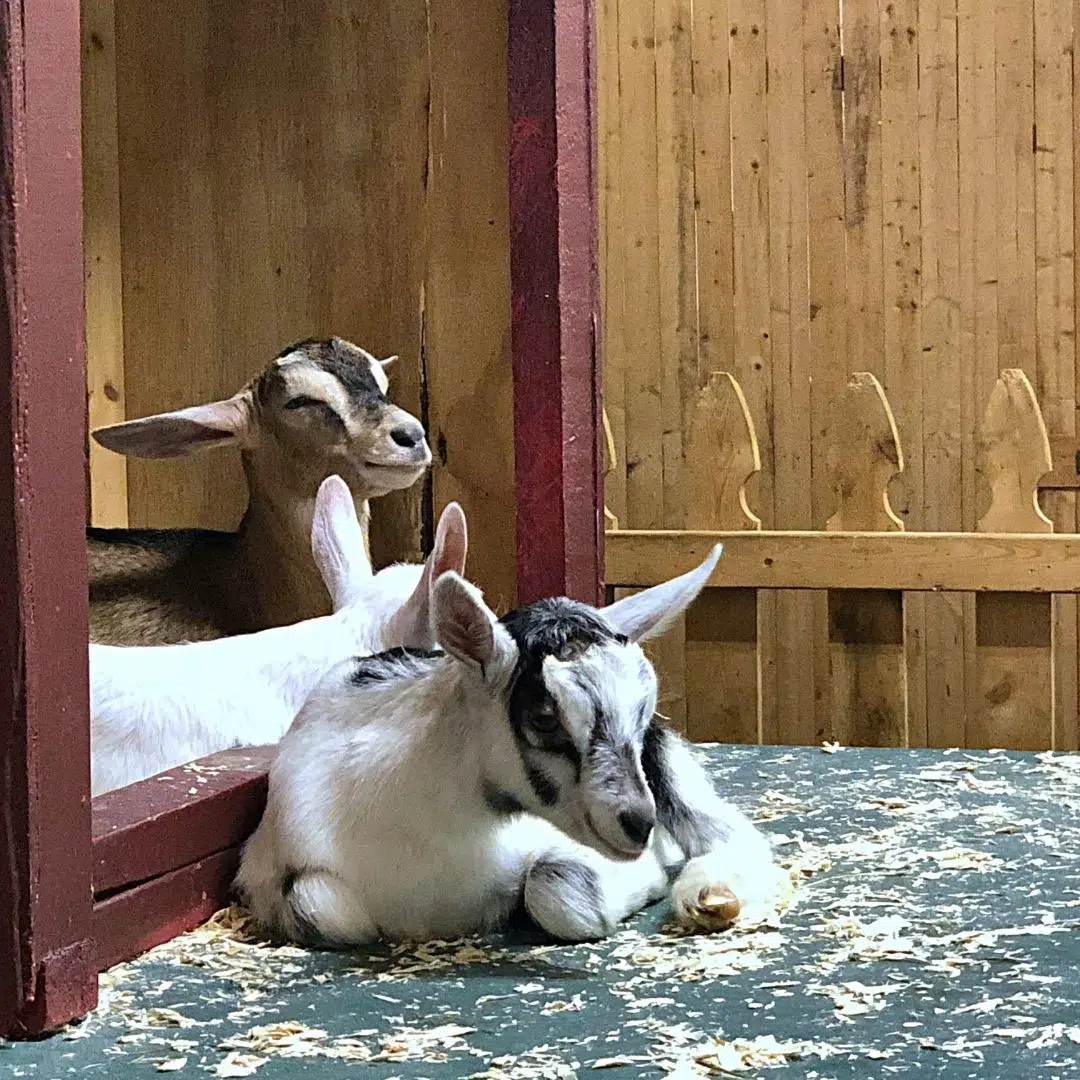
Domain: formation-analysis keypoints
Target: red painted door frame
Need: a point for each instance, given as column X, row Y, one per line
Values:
column 555, row 315
column 84, row 887
column 47, row 972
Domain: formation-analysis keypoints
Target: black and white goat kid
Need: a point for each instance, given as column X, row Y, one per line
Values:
column 427, row 795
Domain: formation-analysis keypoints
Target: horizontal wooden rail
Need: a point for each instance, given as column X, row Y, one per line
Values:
column 908, row 562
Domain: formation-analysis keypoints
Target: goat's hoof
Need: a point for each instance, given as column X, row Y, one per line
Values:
column 716, row 907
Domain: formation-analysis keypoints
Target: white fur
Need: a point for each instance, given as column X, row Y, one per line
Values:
column 390, row 811
column 156, row 707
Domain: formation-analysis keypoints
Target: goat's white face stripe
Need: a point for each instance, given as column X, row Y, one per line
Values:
column 609, row 684
column 377, row 373
column 313, row 381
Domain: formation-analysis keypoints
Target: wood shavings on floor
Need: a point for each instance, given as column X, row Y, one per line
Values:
column 929, row 926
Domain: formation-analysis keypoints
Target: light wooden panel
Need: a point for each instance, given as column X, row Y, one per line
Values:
column 303, row 192
column 102, row 259
column 1014, row 671
column 1054, row 371
column 466, row 297
column 905, row 171
column 908, row 561
column 868, row 669
column 786, row 622
column 723, row 653
column 266, row 200
column 937, row 688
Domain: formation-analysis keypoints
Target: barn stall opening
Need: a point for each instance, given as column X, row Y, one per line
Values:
column 392, row 173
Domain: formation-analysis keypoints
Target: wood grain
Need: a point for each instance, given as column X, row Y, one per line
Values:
column 465, row 302
column 723, row 656
column 161, row 824
column 936, row 670
column 866, row 630
column 103, row 260
column 1014, row 671
column 908, row 561
column 1054, row 371
column 827, row 267
column 225, row 263
column 786, row 622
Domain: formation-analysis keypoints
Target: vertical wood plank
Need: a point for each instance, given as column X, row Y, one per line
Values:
column 863, row 199
column 788, row 699
column 641, row 303
column 941, row 669
column 677, row 277
column 467, row 268
column 866, row 629
column 715, row 254
column 723, row 678
column 676, row 244
column 828, row 295
column 47, row 973
column 712, row 188
column 613, row 183
column 1015, row 127
column 902, row 253
column 1054, row 368
column 977, row 109
column 1014, row 631
column 103, row 260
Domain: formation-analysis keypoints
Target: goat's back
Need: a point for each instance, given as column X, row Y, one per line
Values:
column 160, row 586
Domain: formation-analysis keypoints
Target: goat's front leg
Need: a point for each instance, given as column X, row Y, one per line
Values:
column 575, row 893
column 729, row 865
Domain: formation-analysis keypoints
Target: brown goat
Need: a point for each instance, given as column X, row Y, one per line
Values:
column 320, row 408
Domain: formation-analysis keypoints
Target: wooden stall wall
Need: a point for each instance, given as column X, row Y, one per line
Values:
column 795, row 192
column 257, row 175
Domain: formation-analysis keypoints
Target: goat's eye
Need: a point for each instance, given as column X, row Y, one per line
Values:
column 303, row 401
column 544, row 722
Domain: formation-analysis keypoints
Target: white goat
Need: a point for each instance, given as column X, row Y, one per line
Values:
column 427, row 796
column 155, row 707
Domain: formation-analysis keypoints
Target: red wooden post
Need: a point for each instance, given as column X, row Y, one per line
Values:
column 553, row 264
column 47, row 972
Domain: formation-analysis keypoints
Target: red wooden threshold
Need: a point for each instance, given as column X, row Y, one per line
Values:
column 555, row 310
column 166, row 849
column 178, row 817
column 150, row 914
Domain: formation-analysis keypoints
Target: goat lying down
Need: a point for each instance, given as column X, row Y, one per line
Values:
column 156, row 707
column 419, row 795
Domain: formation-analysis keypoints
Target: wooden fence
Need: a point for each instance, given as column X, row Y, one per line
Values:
column 1011, row 675
column 794, row 191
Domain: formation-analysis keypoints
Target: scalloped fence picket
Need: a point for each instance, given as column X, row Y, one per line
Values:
column 867, row 572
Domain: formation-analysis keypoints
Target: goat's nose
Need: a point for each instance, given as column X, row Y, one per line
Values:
column 408, row 437
column 638, row 826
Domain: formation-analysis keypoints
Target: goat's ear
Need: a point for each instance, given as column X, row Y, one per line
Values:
column 183, row 432
column 388, row 361
column 337, row 541
column 652, row 611
column 412, row 623
column 466, row 627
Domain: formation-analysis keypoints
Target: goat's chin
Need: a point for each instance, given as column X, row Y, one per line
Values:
column 382, row 479
column 589, row 835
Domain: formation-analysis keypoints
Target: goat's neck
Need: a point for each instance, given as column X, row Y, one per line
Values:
column 454, row 745
column 277, row 580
